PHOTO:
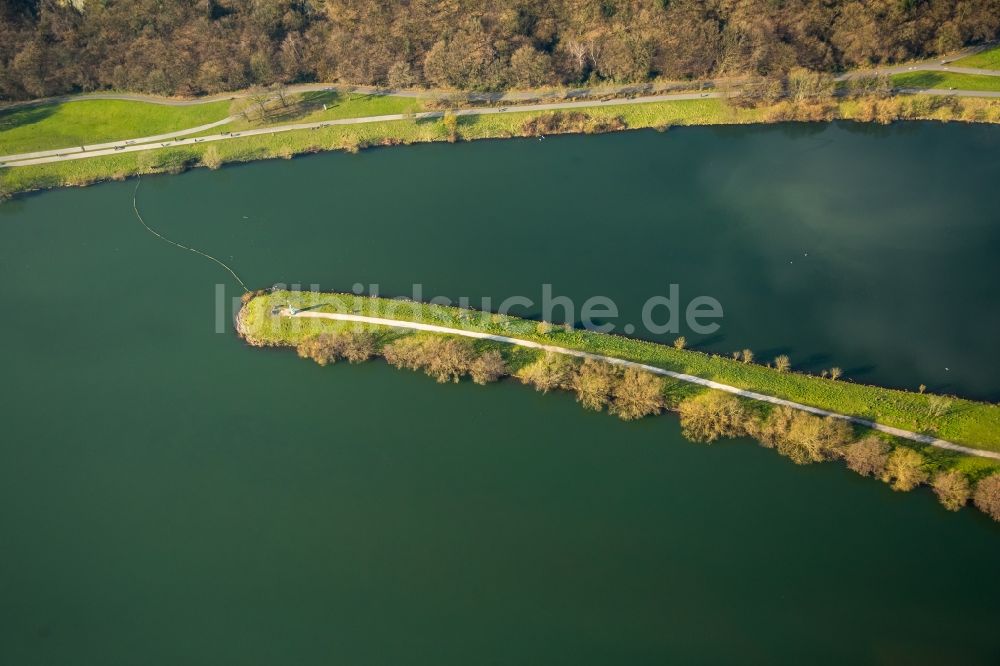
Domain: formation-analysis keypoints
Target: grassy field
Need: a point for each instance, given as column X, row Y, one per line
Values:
column 62, row 125
column 971, row 423
column 351, row 138
column 946, row 80
column 659, row 115
column 989, row 59
column 308, row 108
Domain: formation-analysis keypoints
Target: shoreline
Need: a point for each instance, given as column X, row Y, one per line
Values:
column 458, row 344
column 970, row 424
column 471, row 125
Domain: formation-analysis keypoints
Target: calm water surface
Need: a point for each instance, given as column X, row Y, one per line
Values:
column 169, row 496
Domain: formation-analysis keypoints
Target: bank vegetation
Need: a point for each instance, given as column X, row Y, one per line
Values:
column 630, row 393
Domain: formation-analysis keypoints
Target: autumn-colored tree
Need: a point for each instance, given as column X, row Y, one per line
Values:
column 488, row 367
column 713, row 414
column 867, row 456
column 353, row 346
column 530, row 68
column 448, row 359
column 637, row 394
column 952, row 489
column 803, row 437
column 987, row 496
column 595, row 383
column 445, row 358
column 814, row 438
column 61, row 46
column 551, row 371
column 904, row 469
column 319, row 348
column 357, row 346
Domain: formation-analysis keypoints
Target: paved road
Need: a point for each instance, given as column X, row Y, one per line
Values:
column 942, row 92
column 155, row 143
column 897, row 432
column 137, row 145
column 113, row 144
column 516, row 95
column 510, row 95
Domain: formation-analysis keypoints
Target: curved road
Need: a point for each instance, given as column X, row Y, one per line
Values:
column 395, row 323
column 934, row 64
column 136, row 145
column 164, row 140
column 114, row 144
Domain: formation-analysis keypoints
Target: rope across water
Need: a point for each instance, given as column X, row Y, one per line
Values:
column 135, row 207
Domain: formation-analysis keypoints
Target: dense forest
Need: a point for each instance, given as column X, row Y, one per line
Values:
column 192, row 47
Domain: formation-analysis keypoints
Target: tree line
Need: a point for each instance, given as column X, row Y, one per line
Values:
column 630, row 393
column 190, row 47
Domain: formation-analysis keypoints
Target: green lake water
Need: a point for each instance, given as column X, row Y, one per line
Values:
column 170, row 496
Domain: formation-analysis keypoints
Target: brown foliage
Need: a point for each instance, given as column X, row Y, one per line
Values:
column 443, row 358
column 952, row 489
column 867, row 456
column 713, row 414
column 595, row 383
column 352, row 346
column 487, row 367
column 188, row 47
column 552, row 371
column 571, row 122
column 637, row 394
column 987, row 496
column 803, row 437
column 904, row 469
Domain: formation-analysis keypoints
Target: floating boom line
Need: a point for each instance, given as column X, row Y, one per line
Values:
column 153, row 231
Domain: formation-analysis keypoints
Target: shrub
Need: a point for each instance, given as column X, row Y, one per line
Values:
column 544, row 328
column 357, row 346
column 354, row 346
column 804, row 84
column 803, row 437
column 488, row 367
column 637, row 394
column 450, row 123
column 211, row 157
column 552, row 371
column 708, row 416
column 746, row 356
column 782, row 363
column 447, row 359
column 320, row 348
column 836, row 373
column 775, row 427
column 814, row 439
column 443, row 358
column 876, row 85
column 867, row 456
column 904, row 469
column 952, row 489
column 573, row 121
column 938, row 406
column 406, row 353
column 987, row 496
column 594, row 384
column 680, row 343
